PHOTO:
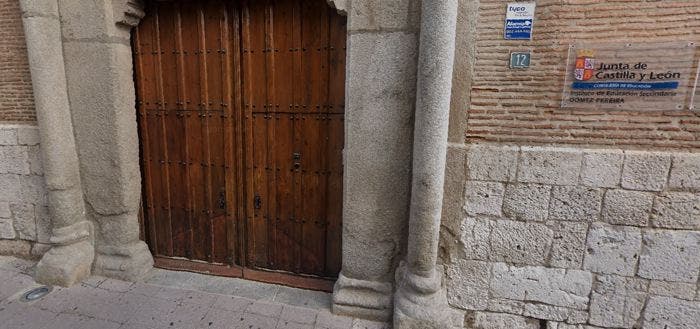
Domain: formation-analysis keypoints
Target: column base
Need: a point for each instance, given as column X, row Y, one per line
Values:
column 65, row 265
column 362, row 298
column 421, row 303
column 130, row 263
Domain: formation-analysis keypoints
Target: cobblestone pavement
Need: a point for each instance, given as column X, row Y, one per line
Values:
column 168, row 299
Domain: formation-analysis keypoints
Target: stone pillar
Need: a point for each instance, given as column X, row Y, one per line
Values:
column 381, row 68
column 420, row 300
column 98, row 57
column 72, row 252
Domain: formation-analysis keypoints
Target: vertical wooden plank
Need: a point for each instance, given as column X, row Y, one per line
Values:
column 256, row 98
column 296, row 111
column 214, row 18
column 239, row 208
column 270, row 98
column 282, row 98
column 314, row 41
column 335, row 137
column 143, row 41
column 205, row 223
column 190, row 31
column 164, row 213
column 174, row 127
column 229, row 134
column 184, row 117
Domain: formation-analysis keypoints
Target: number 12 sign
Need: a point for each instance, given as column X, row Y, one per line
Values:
column 519, row 60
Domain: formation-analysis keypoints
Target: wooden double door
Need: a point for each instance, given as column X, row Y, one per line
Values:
column 240, row 108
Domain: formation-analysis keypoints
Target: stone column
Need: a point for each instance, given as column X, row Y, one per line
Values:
column 72, row 252
column 420, row 300
column 98, row 57
column 380, row 98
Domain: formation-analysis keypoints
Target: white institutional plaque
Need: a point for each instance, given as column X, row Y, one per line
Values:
column 644, row 76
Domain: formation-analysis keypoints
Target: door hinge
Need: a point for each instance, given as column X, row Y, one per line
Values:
column 257, row 202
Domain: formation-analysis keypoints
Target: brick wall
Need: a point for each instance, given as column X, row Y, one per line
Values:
column 16, row 100
column 523, row 105
column 574, row 238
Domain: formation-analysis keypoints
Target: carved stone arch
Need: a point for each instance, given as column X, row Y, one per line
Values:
column 128, row 13
column 340, row 5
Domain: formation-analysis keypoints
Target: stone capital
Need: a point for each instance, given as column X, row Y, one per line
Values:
column 128, row 13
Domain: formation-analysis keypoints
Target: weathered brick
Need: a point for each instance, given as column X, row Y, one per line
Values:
column 474, row 237
column 558, row 287
column 486, row 320
column 492, row 162
column 468, row 284
column 685, row 172
column 8, row 136
column 670, row 255
column 568, row 244
column 645, row 171
column 483, row 198
column 24, row 220
column 9, row 188
column 14, row 160
column 612, row 249
column 575, row 203
column 7, row 230
column 667, row 312
column 519, row 242
column 678, row 210
column 617, row 301
column 5, row 210
column 678, row 290
column 601, row 168
column 549, row 165
column 622, row 207
column 28, row 135
column 528, row 202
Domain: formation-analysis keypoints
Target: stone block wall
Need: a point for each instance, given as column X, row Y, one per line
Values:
column 16, row 96
column 24, row 220
column 564, row 238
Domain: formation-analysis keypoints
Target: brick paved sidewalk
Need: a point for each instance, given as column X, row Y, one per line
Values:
column 168, row 299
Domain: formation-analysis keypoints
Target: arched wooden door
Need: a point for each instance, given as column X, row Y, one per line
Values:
column 240, row 107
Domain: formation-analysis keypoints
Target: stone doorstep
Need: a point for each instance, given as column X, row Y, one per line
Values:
column 184, row 304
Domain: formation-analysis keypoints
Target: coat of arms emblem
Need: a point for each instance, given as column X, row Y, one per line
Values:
column 584, row 64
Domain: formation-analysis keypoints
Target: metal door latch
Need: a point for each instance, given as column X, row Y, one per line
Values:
column 257, row 202
column 222, row 200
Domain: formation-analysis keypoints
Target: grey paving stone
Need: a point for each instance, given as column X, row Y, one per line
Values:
column 255, row 321
column 327, row 320
column 187, row 296
column 150, row 311
column 232, row 303
column 283, row 324
column 29, row 317
column 170, row 278
column 187, row 315
column 303, row 298
column 115, row 285
column 242, row 288
column 76, row 321
column 298, row 314
column 366, row 324
column 220, row 319
column 265, row 309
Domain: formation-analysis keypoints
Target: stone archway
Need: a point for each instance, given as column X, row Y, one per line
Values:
column 87, row 45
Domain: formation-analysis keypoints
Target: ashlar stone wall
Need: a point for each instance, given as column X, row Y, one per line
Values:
column 24, row 221
column 568, row 238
